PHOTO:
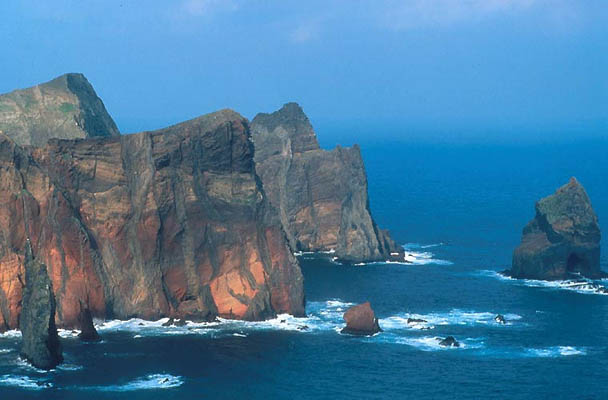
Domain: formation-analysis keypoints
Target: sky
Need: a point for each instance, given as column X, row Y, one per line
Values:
column 438, row 70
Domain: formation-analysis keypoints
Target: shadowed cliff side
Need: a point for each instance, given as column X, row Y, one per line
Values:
column 40, row 341
column 66, row 108
column 165, row 223
column 563, row 238
column 321, row 195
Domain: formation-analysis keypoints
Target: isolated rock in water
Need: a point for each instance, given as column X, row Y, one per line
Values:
column 88, row 333
column 321, row 195
column 415, row 321
column 40, row 341
column 449, row 342
column 361, row 320
column 167, row 223
column 170, row 322
column 563, row 238
column 500, row 319
column 65, row 108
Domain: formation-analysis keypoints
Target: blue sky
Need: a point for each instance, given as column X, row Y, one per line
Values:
column 434, row 69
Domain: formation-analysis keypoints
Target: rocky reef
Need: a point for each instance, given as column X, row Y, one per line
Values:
column 563, row 239
column 321, row 195
column 168, row 223
column 361, row 320
column 66, row 108
column 40, row 341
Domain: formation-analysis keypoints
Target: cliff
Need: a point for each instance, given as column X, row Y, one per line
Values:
column 562, row 239
column 40, row 341
column 321, row 195
column 169, row 223
column 66, row 107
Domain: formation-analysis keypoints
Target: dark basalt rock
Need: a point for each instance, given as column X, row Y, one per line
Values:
column 449, row 342
column 500, row 319
column 361, row 320
column 88, row 333
column 415, row 321
column 40, row 341
column 562, row 240
column 321, row 195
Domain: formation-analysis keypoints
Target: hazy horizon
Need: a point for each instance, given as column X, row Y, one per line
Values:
column 439, row 71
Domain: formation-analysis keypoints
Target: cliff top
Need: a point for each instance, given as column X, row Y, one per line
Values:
column 66, row 107
column 569, row 208
column 292, row 123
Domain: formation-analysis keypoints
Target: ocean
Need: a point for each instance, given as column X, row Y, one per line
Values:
column 460, row 210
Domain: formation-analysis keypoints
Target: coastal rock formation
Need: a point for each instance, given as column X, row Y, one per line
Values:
column 40, row 341
column 169, row 223
column 66, row 108
column 563, row 238
column 321, row 195
column 361, row 320
column 449, row 342
column 88, row 333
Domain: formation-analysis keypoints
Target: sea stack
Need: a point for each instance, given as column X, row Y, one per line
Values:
column 321, row 195
column 88, row 333
column 361, row 320
column 41, row 345
column 563, row 239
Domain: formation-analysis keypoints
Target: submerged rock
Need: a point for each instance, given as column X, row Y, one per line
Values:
column 321, row 195
column 500, row 319
column 361, row 320
column 88, row 333
column 449, row 342
column 40, row 341
column 562, row 240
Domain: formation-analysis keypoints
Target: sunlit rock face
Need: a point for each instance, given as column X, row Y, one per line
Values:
column 66, row 108
column 563, row 239
column 169, row 223
column 321, row 195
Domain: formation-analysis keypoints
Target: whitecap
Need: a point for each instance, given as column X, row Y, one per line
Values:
column 452, row 317
column 555, row 351
column 148, row 382
column 417, row 254
column 24, row 382
column 13, row 333
column 581, row 285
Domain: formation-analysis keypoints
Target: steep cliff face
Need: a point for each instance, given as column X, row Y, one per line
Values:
column 562, row 239
column 40, row 341
column 166, row 223
column 66, row 108
column 321, row 195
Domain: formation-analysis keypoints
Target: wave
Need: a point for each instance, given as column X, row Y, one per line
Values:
column 580, row 285
column 556, row 351
column 452, row 317
column 148, row 382
column 13, row 333
column 24, row 382
column 416, row 254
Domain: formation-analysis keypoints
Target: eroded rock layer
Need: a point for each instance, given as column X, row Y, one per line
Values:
column 321, row 195
column 562, row 240
column 166, row 223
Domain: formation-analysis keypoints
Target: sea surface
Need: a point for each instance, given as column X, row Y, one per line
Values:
column 459, row 209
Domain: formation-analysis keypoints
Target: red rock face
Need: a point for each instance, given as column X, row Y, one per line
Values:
column 361, row 320
column 165, row 223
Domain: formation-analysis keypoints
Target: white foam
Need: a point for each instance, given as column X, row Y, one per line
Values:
column 68, row 333
column 431, row 343
column 14, row 333
column 4, row 351
column 416, row 254
column 153, row 381
column 452, row 317
column 583, row 286
column 556, row 351
column 24, row 382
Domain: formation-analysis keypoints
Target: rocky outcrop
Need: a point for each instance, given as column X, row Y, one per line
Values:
column 88, row 333
column 563, row 238
column 169, row 223
column 448, row 342
column 361, row 320
column 321, row 195
column 40, row 341
column 66, row 107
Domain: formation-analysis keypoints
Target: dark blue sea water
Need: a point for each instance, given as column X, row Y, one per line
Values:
column 460, row 210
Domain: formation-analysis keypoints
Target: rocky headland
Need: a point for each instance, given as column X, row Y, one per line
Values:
column 167, row 223
column 563, row 239
column 321, row 195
